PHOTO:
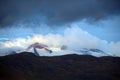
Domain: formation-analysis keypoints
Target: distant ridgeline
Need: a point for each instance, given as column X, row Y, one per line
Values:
column 37, row 47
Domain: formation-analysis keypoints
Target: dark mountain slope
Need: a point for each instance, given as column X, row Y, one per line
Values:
column 27, row 66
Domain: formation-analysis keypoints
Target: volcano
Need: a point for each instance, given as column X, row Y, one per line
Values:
column 28, row 66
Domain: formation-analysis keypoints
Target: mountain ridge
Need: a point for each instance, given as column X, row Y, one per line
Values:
column 27, row 66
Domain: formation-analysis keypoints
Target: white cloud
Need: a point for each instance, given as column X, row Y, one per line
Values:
column 73, row 37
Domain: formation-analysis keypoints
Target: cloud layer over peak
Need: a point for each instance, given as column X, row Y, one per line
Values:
column 73, row 37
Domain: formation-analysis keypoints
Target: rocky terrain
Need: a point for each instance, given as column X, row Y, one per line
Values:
column 27, row 66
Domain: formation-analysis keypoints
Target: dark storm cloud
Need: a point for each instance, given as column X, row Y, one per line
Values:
column 57, row 11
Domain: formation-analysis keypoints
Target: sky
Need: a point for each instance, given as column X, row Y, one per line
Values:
column 84, row 23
